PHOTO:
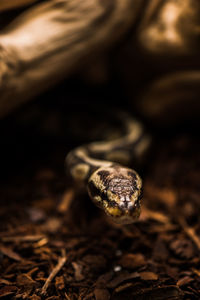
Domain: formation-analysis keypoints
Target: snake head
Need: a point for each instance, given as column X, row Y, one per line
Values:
column 117, row 190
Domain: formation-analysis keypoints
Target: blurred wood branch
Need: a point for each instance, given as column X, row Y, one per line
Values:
column 51, row 40
column 11, row 4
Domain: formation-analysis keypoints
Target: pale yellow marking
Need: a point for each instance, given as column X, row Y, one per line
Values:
column 113, row 197
column 113, row 211
column 82, row 153
column 122, row 157
column 97, row 199
column 141, row 147
column 134, row 129
column 138, row 181
column 135, row 196
column 97, row 181
column 80, row 171
column 105, row 204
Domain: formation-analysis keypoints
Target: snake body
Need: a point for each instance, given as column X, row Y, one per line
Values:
column 101, row 167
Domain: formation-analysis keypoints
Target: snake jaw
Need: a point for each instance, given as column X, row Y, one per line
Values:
column 124, row 218
column 123, row 209
column 118, row 191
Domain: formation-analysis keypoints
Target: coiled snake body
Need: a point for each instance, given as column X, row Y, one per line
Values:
column 101, row 168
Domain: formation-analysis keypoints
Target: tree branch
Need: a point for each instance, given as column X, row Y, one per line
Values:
column 51, row 40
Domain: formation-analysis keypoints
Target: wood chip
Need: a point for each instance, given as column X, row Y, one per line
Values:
column 183, row 248
column 148, row 276
column 123, row 287
column 60, row 283
column 28, row 238
column 101, row 294
column 10, row 253
column 78, row 271
column 154, row 215
column 190, row 232
column 62, row 260
column 25, row 280
column 122, row 277
column 7, row 291
column 66, row 201
column 184, row 281
column 132, row 261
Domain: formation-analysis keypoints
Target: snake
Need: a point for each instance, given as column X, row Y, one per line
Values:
column 103, row 169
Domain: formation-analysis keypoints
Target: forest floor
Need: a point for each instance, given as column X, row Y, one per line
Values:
column 55, row 245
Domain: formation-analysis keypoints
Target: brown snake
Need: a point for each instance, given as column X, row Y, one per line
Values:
column 102, row 168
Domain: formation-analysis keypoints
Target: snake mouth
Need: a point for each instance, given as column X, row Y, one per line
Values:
column 123, row 216
column 126, row 219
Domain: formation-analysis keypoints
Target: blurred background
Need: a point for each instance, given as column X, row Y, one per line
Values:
column 140, row 56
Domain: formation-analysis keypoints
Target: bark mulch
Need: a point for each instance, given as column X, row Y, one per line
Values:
column 57, row 245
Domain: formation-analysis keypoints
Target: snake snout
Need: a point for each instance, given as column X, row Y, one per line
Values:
column 123, row 198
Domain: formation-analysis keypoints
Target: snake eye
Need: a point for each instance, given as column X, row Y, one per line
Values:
column 92, row 189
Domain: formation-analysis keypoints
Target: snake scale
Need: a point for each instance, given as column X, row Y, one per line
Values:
column 102, row 167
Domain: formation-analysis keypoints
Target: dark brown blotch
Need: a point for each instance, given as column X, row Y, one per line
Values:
column 132, row 175
column 93, row 189
column 103, row 175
